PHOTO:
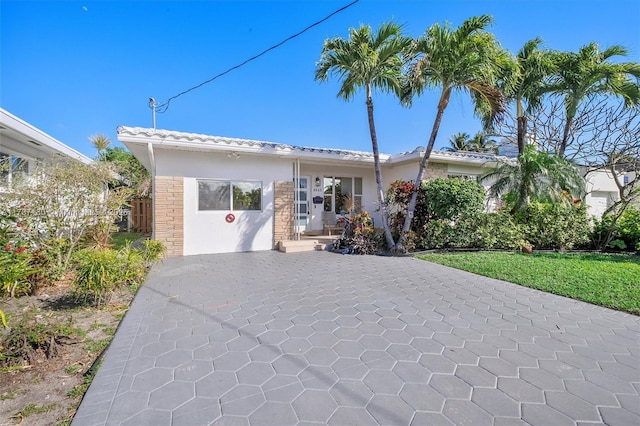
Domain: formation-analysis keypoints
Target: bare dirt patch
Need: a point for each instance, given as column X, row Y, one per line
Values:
column 47, row 387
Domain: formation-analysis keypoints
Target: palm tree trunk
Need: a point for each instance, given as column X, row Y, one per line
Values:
column 522, row 131
column 442, row 105
column 378, row 172
column 522, row 126
column 565, row 137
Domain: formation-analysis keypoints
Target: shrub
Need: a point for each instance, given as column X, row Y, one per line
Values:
column 480, row 230
column 495, row 231
column 555, row 226
column 97, row 274
column 453, row 197
column 360, row 237
column 16, row 270
column 153, row 251
column 628, row 227
column 440, row 200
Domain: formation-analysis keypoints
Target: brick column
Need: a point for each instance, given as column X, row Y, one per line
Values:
column 282, row 212
column 168, row 218
column 435, row 170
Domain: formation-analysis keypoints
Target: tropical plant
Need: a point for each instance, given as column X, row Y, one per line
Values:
column 590, row 73
column 371, row 61
column 458, row 142
column 535, row 174
column 101, row 143
column 467, row 58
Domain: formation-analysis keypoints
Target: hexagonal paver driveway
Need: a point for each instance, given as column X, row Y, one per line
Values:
column 318, row 338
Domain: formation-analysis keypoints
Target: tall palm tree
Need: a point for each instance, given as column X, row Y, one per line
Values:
column 467, row 58
column 372, row 61
column 458, row 142
column 527, row 86
column 482, row 143
column 535, row 174
column 589, row 73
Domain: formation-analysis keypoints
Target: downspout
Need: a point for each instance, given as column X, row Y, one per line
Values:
column 152, row 161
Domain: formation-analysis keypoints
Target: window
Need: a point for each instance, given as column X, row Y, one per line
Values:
column 342, row 194
column 465, row 177
column 12, row 169
column 229, row 195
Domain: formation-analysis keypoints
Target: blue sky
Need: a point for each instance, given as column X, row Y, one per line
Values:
column 75, row 69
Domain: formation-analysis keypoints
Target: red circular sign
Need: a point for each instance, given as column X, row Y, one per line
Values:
column 230, row 218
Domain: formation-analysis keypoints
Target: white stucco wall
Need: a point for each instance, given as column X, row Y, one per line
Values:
column 208, row 231
column 602, row 192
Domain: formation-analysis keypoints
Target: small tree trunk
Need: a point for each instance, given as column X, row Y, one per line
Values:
column 378, row 172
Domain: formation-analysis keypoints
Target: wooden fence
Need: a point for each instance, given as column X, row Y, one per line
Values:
column 141, row 215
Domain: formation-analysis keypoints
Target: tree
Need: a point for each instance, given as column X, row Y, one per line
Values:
column 468, row 59
column 130, row 169
column 482, row 143
column 101, row 143
column 590, row 73
column 371, row 61
column 458, row 142
column 535, row 174
column 527, row 85
column 63, row 201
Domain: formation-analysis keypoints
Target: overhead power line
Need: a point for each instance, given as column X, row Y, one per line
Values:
column 164, row 106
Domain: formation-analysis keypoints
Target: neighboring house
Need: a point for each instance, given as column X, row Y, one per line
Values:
column 23, row 145
column 601, row 191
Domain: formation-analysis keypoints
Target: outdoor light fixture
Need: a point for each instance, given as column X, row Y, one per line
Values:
column 317, row 180
column 234, row 155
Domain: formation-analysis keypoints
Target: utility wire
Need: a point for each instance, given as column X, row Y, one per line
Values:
column 164, row 106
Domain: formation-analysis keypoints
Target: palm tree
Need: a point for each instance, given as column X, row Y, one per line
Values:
column 535, row 174
column 590, row 73
column 482, row 143
column 467, row 58
column 101, row 143
column 373, row 61
column 459, row 142
column 527, row 85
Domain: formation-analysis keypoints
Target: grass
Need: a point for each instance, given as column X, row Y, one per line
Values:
column 120, row 239
column 608, row 280
column 32, row 409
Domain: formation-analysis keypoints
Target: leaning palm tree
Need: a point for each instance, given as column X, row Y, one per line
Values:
column 371, row 61
column 458, row 142
column 527, row 86
column 588, row 73
column 467, row 58
column 535, row 174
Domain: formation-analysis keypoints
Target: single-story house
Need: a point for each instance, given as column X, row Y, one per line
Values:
column 216, row 194
column 22, row 145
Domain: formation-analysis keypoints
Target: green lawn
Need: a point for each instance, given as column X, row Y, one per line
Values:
column 607, row 280
column 119, row 239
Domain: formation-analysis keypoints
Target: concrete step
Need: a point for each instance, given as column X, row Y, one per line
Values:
column 293, row 246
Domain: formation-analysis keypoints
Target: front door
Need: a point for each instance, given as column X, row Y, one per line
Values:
column 303, row 213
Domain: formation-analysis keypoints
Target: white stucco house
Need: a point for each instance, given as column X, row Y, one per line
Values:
column 217, row 194
column 22, row 145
